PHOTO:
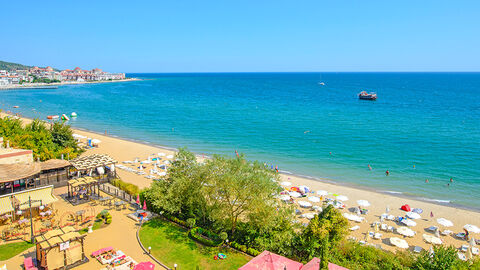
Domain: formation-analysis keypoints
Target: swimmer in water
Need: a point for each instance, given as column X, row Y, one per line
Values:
column 426, row 180
column 414, row 166
column 369, row 167
column 451, row 180
column 387, row 173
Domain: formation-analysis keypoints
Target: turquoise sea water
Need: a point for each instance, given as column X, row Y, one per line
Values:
column 427, row 120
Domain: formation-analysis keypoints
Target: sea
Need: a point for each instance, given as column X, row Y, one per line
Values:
column 422, row 126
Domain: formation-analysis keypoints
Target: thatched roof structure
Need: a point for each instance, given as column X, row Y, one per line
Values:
column 92, row 161
column 12, row 172
column 54, row 164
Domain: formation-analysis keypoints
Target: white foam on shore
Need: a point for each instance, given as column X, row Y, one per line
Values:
column 437, row 201
column 392, row 192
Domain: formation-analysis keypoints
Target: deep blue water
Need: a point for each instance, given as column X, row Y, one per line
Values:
column 427, row 120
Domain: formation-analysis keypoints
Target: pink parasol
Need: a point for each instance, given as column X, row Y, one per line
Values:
column 138, row 199
column 144, row 266
column 145, row 205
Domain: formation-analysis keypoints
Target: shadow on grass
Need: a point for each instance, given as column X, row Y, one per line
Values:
column 171, row 232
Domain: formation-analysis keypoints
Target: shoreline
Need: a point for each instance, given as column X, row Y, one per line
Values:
column 124, row 149
column 324, row 180
column 27, row 86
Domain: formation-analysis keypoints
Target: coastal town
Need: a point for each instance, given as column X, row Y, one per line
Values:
column 48, row 75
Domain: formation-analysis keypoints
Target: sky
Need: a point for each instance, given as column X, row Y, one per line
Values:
column 243, row 36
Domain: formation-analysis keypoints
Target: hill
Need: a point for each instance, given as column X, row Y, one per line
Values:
column 13, row 66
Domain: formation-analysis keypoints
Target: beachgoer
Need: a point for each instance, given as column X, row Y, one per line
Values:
column 426, row 180
column 467, row 235
column 387, row 173
column 330, row 153
column 369, row 167
column 414, row 166
column 451, row 180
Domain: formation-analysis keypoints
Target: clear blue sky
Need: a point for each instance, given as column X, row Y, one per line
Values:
column 224, row 36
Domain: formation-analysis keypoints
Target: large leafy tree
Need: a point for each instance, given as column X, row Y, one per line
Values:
column 323, row 233
column 239, row 190
column 443, row 258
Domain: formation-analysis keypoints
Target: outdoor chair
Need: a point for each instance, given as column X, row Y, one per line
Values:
column 446, row 232
column 474, row 250
column 377, row 236
column 464, row 248
column 384, row 227
column 417, row 249
column 28, row 264
column 432, row 228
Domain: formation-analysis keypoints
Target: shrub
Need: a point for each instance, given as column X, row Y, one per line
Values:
column 243, row 248
column 175, row 219
column 129, row 188
column 105, row 216
column 223, row 236
column 191, row 222
column 205, row 237
column 252, row 252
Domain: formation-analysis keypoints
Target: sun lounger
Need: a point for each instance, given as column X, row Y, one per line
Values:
column 460, row 235
column 371, row 234
column 362, row 242
column 377, row 236
column 417, row 249
column 464, row 248
column 354, row 228
column 446, row 232
column 384, row 227
column 475, row 250
column 462, row 256
column 432, row 228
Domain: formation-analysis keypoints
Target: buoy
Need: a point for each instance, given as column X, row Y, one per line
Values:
column 65, row 117
column 52, row 117
column 74, row 114
column 15, row 106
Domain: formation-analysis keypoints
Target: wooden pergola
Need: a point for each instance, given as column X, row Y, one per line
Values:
column 88, row 164
column 60, row 249
column 86, row 184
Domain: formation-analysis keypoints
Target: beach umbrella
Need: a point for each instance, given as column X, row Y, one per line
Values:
column 304, row 204
column 353, row 217
column 170, row 156
column 409, row 222
column 161, row 154
column 405, row 231
column 471, row 228
column 444, row 222
column 473, row 242
column 308, row 215
column 284, row 197
column 363, row 203
column 138, row 199
column 317, row 208
column 304, row 189
column 322, row 192
column 162, row 173
column 144, row 266
column 413, row 215
column 432, row 239
column 285, row 184
column 144, row 205
column 96, row 141
column 314, row 199
column 398, row 242
column 342, row 198
column 295, row 194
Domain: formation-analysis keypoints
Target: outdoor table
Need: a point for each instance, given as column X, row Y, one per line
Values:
column 80, row 214
column 21, row 221
column 119, row 203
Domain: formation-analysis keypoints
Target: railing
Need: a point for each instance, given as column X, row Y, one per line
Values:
column 114, row 191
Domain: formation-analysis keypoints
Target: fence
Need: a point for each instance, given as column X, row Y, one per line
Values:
column 114, row 191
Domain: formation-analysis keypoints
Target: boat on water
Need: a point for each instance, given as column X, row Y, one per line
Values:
column 367, row 96
column 321, row 83
column 53, row 117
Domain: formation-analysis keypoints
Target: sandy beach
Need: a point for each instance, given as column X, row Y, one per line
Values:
column 123, row 150
column 39, row 85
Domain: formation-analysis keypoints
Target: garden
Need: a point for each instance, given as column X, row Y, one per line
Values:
column 171, row 244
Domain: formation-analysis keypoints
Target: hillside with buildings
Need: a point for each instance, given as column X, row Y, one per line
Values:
column 12, row 74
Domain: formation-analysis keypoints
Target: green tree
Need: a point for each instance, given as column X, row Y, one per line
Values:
column 443, row 258
column 323, row 233
column 238, row 189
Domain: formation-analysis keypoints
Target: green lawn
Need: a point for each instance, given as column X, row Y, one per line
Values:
column 171, row 244
column 7, row 251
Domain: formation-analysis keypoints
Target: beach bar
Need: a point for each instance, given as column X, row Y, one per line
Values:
column 100, row 166
column 18, row 177
column 54, row 172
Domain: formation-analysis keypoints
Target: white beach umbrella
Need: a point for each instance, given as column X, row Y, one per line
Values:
column 162, row 173
column 304, row 204
column 363, row 203
column 317, row 208
column 444, row 222
column 285, row 183
column 314, row 199
column 308, row 215
column 353, row 217
column 304, row 189
column 284, row 197
column 161, row 154
column 166, row 162
column 322, row 192
column 432, row 239
column 413, row 215
column 96, row 141
column 471, row 228
column 295, row 194
column 405, row 231
column 342, row 198
column 170, row 156
column 398, row 242
column 78, row 136
column 409, row 222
